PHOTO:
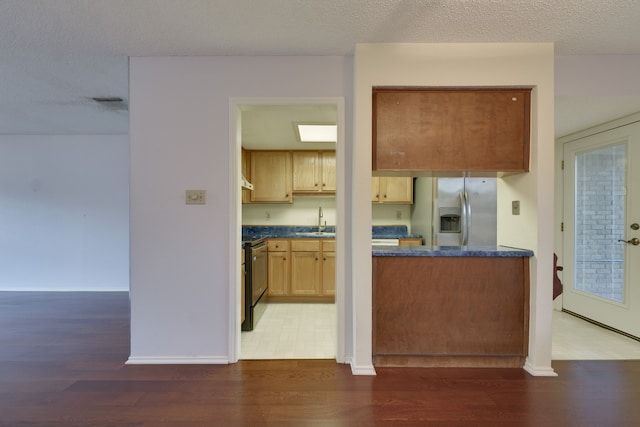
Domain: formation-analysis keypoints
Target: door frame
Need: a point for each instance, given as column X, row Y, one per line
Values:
column 559, row 201
column 235, row 217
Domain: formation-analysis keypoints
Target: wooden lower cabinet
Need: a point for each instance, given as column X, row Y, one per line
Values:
column 328, row 273
column 279, row 267
column 301, row 270
column 410, row 241
column 305, row 273
column 450, row 311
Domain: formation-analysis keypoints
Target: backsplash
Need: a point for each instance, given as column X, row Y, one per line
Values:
column 303, row 211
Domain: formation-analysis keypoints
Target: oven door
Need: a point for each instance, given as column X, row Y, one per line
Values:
column 259, row 277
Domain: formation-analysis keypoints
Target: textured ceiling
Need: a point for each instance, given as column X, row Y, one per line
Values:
column 57, row 54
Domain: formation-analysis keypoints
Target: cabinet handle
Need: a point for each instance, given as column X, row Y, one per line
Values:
column 324, row 185
column 284, row 258
column 385, row 196
column 316, row 258
column 324, row 259
column 316, row 184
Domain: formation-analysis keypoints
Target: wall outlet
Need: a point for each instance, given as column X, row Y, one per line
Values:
column 398, row 215
column 195, row 197
column 515, row 207
column 267, row 215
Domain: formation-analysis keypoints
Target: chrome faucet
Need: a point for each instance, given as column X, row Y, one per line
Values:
column 320, row 215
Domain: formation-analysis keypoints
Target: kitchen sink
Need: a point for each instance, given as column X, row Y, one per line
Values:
column 316, row 233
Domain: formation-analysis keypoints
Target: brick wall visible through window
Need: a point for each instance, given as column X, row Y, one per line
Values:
column 599, row 222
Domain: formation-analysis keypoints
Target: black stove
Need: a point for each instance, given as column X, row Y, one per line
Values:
column 256, row 279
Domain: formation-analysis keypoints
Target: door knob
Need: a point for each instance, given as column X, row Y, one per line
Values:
column 635, row 241
column 635, row 226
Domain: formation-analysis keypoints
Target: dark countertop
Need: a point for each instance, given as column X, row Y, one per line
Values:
column 293, row 232
column 450, row 251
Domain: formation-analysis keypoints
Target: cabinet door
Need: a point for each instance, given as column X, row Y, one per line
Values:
column 271, row 177
column 328, row 273
column 375, row 189
column 451, row 129
column 278, row 273
column 305, row 273
column 314, row 172
column 306, row 171
column 392, row 190
column 410, row 241
column 329, row 171
column 246, row 166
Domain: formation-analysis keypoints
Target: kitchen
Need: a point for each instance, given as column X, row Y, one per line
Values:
column 267, row 129
column 294, row 213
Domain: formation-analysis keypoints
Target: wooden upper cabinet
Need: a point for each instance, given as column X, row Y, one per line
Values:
column 314, row 171
column 271, row 177
column 246, row 166
column 483, row 130
column 392, row 190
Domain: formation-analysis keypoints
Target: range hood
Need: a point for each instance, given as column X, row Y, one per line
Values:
column 246, row 183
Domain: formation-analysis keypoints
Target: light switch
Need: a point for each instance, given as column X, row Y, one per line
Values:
column 196, row 197
column 515, row 207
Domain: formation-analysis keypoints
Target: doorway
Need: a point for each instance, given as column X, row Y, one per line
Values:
column 263, row 124
column 601, row 217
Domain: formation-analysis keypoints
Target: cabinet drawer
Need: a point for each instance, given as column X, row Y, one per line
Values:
column 328, row 246
column 277, row 245
column 305, row 245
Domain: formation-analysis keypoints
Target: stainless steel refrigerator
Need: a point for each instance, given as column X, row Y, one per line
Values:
column 464, row 212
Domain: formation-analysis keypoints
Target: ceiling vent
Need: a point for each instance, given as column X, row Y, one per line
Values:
column 112, row 103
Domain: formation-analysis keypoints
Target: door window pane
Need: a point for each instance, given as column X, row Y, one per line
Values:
column 599, row 222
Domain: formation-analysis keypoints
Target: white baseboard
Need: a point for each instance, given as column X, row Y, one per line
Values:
column 177, row 361
column 362, row 370
column 540, row 372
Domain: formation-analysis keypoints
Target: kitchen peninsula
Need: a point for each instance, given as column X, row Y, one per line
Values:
column 450, row 306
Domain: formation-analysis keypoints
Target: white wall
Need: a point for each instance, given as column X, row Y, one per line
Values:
column 64, row 213
column 464, row 64
column 180, row 255
column 303, row 211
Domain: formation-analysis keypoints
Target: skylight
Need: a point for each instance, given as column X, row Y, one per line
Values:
column 310, row 132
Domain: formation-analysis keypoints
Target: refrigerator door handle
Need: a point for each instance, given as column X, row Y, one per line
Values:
column 464, row 218
column 467, row 219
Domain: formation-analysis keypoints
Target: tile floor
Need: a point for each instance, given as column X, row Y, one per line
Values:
column 292, row 331
column 576, row 339
column 308, row 331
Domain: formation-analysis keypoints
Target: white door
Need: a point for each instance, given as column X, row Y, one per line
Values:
column 601, row 216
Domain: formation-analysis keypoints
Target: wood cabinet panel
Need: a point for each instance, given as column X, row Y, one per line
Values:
column 271, row 177
column 314, row 171
column 277, row 245
column 305, row 245
column 301, row 269
column 305, row 273
column 246, row 169
column 278, row 267
column 392, row 190
column 450, row 307
column 328, row 273
column 451, row 129
column 410, row 241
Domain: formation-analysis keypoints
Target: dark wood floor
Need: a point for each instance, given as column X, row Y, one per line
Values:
column 62, row 364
